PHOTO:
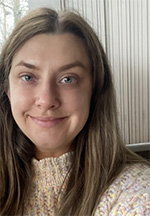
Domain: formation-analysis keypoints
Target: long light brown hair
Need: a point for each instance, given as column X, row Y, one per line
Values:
column 99, row 153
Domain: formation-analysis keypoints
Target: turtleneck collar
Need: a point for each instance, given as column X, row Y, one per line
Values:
column 62, row 162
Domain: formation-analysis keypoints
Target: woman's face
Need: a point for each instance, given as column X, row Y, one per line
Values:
column 50, row 88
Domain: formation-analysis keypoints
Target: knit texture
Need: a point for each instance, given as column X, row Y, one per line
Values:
column 49, row 185
column 129, row 195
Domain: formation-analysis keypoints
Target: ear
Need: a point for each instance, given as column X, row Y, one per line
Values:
column 8, row 93
column 6, row 88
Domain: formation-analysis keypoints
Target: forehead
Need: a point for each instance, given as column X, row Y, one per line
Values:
column 66, row 47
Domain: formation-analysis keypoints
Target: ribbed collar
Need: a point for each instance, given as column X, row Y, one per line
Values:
column 62, row 162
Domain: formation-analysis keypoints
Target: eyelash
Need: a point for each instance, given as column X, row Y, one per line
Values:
column 72, row 78
column 23, row 77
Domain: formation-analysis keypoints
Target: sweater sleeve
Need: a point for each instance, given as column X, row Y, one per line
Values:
column 135, row 204
column 129, row 195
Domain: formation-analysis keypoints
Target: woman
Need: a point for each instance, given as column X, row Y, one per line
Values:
column 60, row 149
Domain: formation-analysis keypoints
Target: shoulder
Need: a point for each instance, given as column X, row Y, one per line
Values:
column 129, row 194
column 134, row 177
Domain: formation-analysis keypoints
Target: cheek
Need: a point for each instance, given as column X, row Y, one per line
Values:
column 19, row 100
column 78, row 102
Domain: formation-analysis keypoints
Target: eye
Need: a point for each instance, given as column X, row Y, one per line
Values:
column 68, row 79
column 27, row 78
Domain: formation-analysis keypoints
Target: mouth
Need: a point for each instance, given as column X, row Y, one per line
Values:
column 46, row 122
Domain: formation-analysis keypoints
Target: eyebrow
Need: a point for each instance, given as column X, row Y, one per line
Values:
column 26, row 64
column 72, row 65
column 63, row 68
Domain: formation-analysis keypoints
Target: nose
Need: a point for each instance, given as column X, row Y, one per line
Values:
column 47, row 96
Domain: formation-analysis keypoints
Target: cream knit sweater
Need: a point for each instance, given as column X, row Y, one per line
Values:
column 129, row 195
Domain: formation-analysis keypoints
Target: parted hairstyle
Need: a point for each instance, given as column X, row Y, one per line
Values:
column 99, row 153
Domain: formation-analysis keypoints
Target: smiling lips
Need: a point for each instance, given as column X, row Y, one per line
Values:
column 47, row 122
